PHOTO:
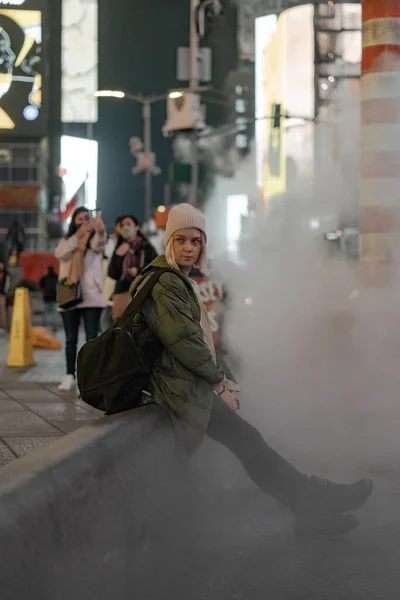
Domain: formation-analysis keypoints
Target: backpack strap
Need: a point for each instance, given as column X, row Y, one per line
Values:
column 144, row 292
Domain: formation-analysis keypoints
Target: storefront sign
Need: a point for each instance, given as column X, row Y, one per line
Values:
column 19, row 196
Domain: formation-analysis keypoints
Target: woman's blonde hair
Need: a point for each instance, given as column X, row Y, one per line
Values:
column 201, row 263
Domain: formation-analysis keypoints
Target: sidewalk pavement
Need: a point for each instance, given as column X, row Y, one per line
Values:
column 32, row 411
column 247, row 547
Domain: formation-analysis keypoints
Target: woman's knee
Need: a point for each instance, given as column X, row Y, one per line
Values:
column 71, row 335
column 71, row 339
column 234, row 432
column 249, row 438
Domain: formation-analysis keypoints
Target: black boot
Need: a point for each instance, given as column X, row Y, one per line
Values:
column 336, row 498
column 320, row 508
column 318, row 504
column 324, row 525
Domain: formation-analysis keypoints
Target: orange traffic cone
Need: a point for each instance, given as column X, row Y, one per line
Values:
column 20, row 353
column 41, row 338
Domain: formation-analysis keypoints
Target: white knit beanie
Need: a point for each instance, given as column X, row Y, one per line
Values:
column 184, row 216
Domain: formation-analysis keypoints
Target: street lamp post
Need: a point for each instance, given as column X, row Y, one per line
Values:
column 197, row 30
column 148, row 182
column 146, row 103
column 194, row 84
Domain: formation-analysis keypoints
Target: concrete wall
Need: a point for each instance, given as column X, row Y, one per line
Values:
column 103, row 513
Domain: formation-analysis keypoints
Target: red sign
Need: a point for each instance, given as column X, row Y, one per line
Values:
column 35, row 264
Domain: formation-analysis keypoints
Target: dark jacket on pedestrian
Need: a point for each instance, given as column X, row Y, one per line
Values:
column 48, row 285
column 140, row 256
column 185, row 374
column 4, row 283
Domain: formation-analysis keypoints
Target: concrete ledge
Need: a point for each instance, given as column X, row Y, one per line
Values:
column 87, row 517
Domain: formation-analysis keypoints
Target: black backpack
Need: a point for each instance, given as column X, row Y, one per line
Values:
column 112, row 371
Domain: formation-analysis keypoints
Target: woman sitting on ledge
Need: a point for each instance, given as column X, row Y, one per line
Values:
column 193, row 385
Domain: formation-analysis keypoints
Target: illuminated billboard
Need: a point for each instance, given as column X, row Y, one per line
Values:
column 288, row 74
column 274, row 168
column 79, row 159
column 264, row 29
column 287, row 90
column 79, row 61
column 21, row 70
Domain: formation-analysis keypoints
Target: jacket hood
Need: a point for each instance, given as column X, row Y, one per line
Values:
column 159, row 262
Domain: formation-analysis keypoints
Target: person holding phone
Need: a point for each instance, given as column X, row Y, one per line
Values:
column 80, row 255
column 132, row 254
column 109, row 284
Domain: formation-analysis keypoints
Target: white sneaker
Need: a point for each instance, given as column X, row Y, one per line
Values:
column 67, row 383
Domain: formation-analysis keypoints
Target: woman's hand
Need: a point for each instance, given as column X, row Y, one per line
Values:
column 123, row 249
column 230, row 400
column 83, row 231
column 133, row 271
column 99, row 226
column 227, row 396
column 231, row 385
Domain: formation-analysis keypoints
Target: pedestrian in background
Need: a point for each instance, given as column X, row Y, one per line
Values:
column 48, row 285
column 113, row 240
column 133, row 253
column 109, row 284
column 4, row 289
column 81, row 278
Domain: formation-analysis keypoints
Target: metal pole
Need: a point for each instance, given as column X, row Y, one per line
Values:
column 167, row 194
column 53, row 19
column 148, row 200
column 194, row 84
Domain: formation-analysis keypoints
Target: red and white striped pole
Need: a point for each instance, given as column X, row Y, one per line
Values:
column 380, row 138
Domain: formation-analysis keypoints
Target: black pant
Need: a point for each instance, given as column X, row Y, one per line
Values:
column 71, row 320
column 269, row 471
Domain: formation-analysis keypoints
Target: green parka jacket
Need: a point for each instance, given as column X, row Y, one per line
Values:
column 185, row 373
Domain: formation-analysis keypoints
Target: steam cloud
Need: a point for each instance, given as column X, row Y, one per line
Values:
column 319, row 352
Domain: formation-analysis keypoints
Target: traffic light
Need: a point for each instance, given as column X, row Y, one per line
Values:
column 275, row 142
column 277, row 116
column 180, row 173
column 240, row 90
